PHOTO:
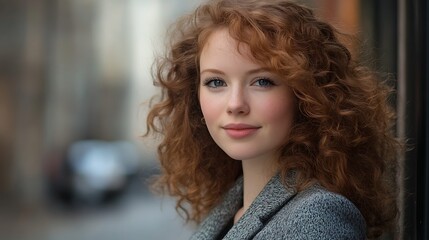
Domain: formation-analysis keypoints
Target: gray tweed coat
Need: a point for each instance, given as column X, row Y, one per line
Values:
column 279, row 213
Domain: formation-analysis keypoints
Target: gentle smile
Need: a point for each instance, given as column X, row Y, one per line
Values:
column 240, row 130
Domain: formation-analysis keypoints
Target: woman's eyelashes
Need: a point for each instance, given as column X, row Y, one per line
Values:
column 216, row 82
column 264, row 82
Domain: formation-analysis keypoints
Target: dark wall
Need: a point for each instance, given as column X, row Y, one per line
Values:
column 397, row 34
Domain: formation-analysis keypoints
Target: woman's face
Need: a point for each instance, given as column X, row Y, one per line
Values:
column 247, row 109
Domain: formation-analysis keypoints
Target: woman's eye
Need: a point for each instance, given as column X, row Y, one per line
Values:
column 264, row 82
column 215, row 83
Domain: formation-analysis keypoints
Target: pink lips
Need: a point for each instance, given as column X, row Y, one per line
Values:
column 240, row 130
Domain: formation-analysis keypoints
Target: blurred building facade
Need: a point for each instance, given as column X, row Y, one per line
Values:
column 73, row 70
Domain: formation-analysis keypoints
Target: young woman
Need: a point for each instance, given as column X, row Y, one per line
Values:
column 270, row 129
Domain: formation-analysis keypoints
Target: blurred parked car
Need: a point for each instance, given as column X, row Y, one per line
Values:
column 93, row 171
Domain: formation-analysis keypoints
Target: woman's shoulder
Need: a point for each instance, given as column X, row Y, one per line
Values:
column 317, row 194
column 320, row 213
column 316, row 200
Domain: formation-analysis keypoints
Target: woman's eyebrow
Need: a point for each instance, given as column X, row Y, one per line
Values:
column 257, row 70
column 250, row 72
column 212, row 70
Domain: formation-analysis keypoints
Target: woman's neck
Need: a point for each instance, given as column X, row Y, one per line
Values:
column 256, row 174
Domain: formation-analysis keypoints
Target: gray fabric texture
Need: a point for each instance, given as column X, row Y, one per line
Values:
column 280, row 213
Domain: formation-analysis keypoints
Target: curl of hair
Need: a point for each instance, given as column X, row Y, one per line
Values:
column 342, row 135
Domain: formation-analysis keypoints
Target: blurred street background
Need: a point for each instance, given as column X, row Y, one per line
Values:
column 75, row 81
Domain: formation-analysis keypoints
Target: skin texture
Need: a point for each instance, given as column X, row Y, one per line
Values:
column 235, row 91
column 230, row 95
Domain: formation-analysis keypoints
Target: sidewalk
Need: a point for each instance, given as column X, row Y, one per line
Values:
column 138, row 216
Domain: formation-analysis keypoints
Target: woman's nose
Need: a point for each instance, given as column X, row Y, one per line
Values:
column 238, row 103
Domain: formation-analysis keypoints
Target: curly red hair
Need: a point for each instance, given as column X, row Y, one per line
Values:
column 342, row 132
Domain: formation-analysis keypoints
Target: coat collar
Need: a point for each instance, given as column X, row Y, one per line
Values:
column 272, row 198
column 220, row 216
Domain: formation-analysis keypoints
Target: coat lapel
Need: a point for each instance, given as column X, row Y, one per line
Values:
column 272, row 198
column 217, row 220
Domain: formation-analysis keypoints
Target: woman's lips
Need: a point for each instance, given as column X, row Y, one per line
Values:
column 240, row 130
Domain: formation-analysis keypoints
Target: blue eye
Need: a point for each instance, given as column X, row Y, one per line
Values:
column 264, row 82
column 214, row 83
